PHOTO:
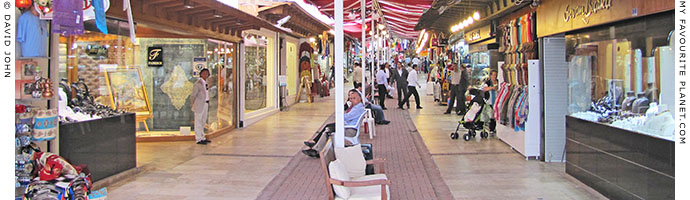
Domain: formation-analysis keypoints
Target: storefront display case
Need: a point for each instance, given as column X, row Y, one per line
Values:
column 620, row 122
column 127, row 92
column 617, row 81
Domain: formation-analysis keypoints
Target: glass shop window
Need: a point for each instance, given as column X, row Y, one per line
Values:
column 619, row 75
column 255, row 77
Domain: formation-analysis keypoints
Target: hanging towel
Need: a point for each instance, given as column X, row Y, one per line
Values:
column 98, row 6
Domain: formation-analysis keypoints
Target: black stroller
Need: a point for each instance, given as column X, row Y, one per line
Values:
column 471, row 121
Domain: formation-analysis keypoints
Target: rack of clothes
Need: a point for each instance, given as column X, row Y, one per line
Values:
column 518, row 43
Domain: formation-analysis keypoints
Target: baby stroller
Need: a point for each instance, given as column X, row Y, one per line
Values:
column 471, row 120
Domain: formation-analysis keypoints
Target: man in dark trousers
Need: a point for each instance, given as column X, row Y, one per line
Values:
column 399, row 75
column 381, row 82
column 460, row 80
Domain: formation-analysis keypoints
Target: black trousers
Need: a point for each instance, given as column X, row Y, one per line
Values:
column 457, row 95
column 356, row 84
column 402, row 93
column 382, row 95
column 411, row 90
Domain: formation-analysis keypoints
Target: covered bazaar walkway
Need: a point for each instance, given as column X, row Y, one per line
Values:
column 264, row 161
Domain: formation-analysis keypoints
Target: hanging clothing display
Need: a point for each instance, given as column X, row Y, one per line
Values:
column 32, row 34
column 518, row 45
column 68, row 17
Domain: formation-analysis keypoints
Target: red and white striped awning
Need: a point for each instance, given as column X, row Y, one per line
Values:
column 400, row 16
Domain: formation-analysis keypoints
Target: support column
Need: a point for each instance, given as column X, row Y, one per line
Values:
column 364, row 52
column 339, row 109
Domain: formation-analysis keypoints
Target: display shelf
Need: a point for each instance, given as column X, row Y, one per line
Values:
column 526, row 142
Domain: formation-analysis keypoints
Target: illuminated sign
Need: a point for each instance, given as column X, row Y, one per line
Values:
column 155, row 56
column 591, row 7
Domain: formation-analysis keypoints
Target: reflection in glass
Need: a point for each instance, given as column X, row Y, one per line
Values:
column 255, row 73
column 615, row 75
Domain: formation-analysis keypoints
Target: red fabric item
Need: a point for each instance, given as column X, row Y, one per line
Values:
column 401, row 16
column 52, row 169
column 18, row 108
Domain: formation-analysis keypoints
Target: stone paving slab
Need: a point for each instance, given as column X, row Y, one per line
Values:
column 409, row 166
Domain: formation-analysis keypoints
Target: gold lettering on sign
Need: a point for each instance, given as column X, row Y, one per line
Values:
column 591, row 7
column 154, row 54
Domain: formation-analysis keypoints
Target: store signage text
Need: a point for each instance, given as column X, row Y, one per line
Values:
column 474, row 35
column 591, row 7
column 155, row 57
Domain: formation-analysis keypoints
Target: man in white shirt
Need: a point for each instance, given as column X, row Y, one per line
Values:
column 412, row 85
column 381, row 81
column 200, row 106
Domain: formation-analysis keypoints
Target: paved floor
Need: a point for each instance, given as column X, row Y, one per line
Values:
column 238, row 165
column 489, row 168
column 408, row 166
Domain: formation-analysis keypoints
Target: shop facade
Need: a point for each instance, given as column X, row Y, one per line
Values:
column 301, row 28
column 259, row 72
column 619, row 93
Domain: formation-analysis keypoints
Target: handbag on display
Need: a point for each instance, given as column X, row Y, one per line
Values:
column 45, row 124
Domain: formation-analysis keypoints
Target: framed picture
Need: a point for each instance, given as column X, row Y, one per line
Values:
column 23, row 89
column 27, row 69
column 127, row 91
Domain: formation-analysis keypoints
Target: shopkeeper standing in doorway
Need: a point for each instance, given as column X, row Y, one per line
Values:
column 200, row 106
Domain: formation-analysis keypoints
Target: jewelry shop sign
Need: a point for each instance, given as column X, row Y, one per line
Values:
column 559, row 16
column 586, row 10
column 155, row 57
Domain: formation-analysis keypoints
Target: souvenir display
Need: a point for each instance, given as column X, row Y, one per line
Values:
column 45, row 125
column 81, row 106
column 57, row 179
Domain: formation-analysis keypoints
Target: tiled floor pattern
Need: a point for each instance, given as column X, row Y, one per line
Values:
column 238, row 165
column 412, row 176
column 489, row 168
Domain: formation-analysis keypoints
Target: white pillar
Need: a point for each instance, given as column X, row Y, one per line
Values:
column 339, row 97
column 373, row 62
column 364, row 52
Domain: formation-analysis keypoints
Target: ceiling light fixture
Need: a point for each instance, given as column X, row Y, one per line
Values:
column 217, row 14
column 188, row 4
column 476, row 15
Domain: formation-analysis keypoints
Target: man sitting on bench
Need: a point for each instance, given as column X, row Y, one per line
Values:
column 351, row 116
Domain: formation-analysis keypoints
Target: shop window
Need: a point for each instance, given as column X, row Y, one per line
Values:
column 87, row 57
column 221, row 57
column 617, row 75
column 256, row 65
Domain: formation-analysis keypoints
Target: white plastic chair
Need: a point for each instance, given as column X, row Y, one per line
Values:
column 355, row 140
column 371, row 125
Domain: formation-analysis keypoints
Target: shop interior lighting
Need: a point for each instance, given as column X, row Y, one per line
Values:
column 188, row 4
column 216, row 14
column 312, row 39
column 470, row 20
column 381, row 26
column 476, row 15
